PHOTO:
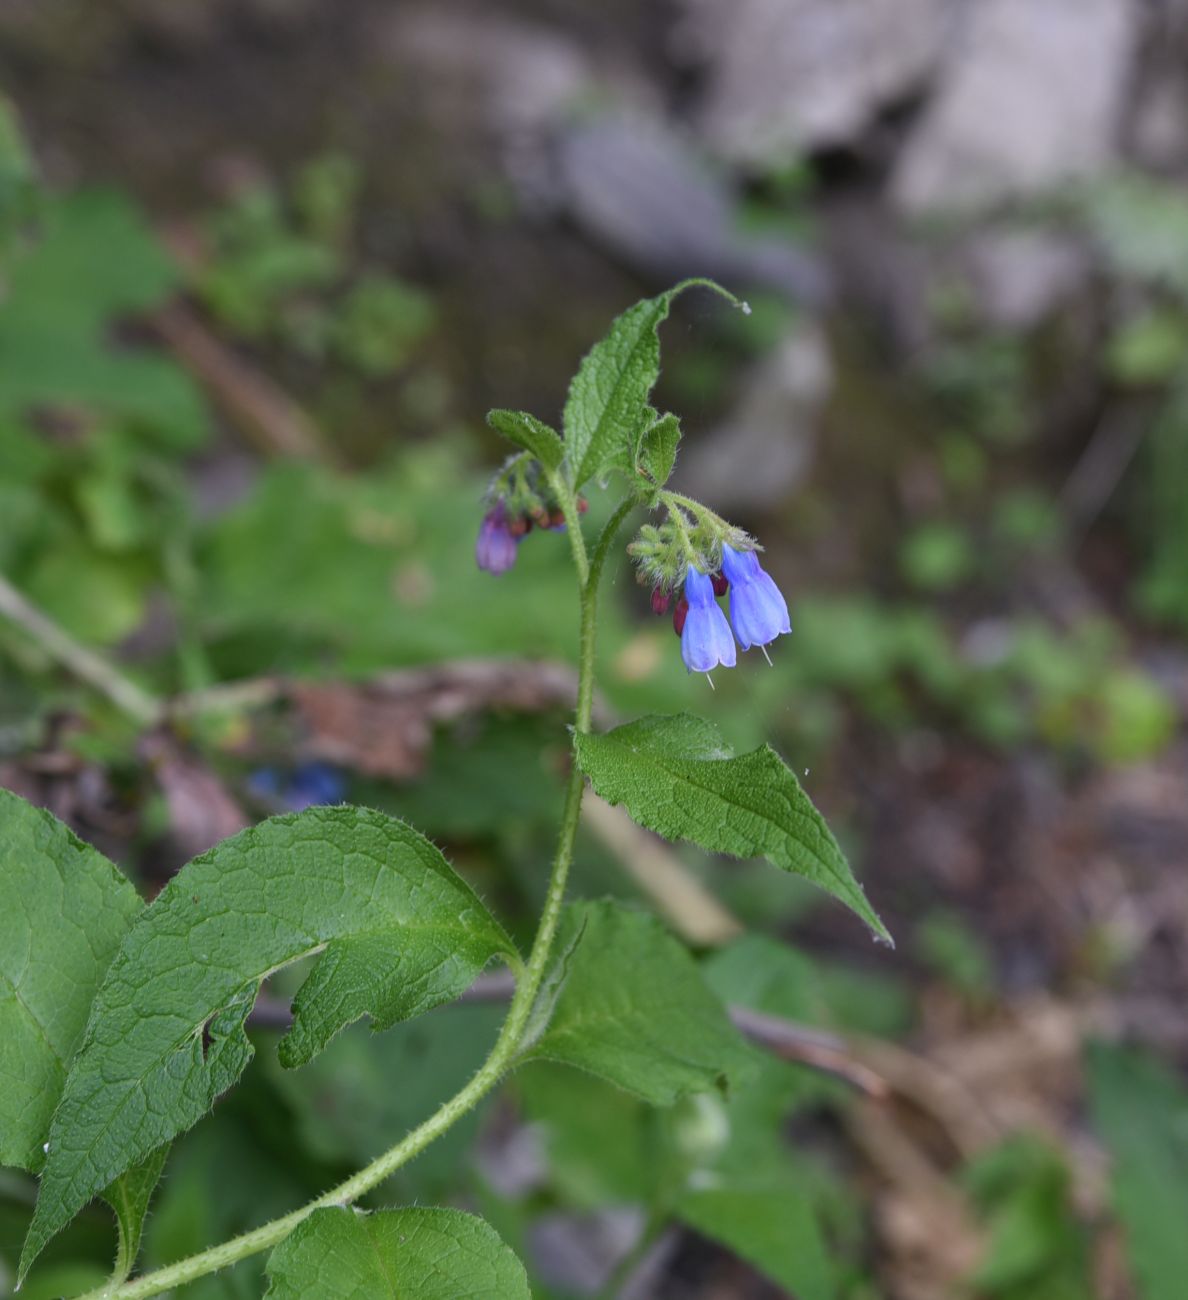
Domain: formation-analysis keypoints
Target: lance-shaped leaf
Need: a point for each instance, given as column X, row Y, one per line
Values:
column 677, row 776
column 633, row 1009
column 399, row 933
column 607, row 407
column 405, row 1254
column 64, row 910
column 129, row 1198
column 529, row 433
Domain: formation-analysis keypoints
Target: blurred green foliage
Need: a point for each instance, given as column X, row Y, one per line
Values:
column 331, row 573
column 284, row 267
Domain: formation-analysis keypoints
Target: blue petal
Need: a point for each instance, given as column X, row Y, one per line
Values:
column 699, row 589
column 706, row 641
column 758, row 610
column 739, row 566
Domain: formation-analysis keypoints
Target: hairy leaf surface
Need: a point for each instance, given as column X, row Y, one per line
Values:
column 634, row 1010
column 676, row 776
column 531, row 434
column 657, row 448
column 64, row 910
column 399, row 933
column 405, row 1254
column 606, row 410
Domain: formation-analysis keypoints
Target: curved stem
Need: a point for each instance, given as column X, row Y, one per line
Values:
column 502, row 1055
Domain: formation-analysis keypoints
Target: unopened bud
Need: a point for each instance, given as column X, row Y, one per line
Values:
column 659, row 601
column 721, row 583
column 679, row 610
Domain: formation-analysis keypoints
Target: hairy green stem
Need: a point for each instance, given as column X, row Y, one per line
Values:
column 503, row 1054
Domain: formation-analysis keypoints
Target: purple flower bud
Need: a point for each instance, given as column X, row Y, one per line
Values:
column 680, row 611
column 705, row 641
column 758, row 611
column 495, row 550
column 659, row 601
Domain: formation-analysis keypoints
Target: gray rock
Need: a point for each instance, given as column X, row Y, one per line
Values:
column 1031, row 97
column 790, row 75
column 1019, row 276
column 638, row 187
column 763, row 448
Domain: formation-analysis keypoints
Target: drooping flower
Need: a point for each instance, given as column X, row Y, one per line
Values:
column 758, row 612
column 705, row 640
column 495, row 550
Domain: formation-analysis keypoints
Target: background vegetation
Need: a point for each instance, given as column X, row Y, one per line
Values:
column 264, row 265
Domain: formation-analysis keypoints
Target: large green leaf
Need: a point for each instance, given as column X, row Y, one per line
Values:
column 633, row 1009
column 64, row 910
column 1141, row 1111
column 398, row 933
column 677, row 776
column 406, row 1254
column 607, row 409
column 96, row 260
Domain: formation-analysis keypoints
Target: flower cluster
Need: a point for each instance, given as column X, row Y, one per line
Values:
column 519, row 503
column 758, row 611
column 691, row 553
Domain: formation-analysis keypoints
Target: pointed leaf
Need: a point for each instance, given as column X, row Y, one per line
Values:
column 129, row 1197
column 531, row 434
column 676, row 776
column 635, row 1011
column 406, row 1254
column 607, row 408
column 400, row 931
column 64, row 910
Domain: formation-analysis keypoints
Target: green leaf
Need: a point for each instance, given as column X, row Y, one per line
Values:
column 531, row 434
column 97, row 259
column 658, row 448
column 676, row 776
column 607, row 408
column 774, row 1227
column 1141, row 1111
column 634, row 1010
column 406, row 1254
column 398, row 933
column 64, row 910
column 129, row 1197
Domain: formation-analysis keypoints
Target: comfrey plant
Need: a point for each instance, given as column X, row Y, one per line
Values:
column 123, row 1022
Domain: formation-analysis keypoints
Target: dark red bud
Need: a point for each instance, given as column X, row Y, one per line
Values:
column 540, row 517
column 659, row 601
column 518, row 527
column 556, row 518
column 679, row 610
column 721, row 583
column 583, row 505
